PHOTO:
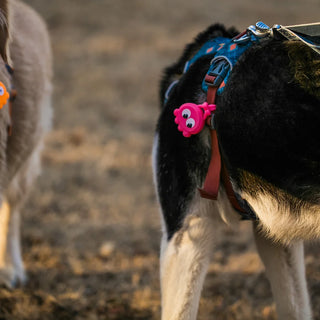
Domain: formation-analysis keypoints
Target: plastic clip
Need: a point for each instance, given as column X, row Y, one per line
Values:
column 217, row 71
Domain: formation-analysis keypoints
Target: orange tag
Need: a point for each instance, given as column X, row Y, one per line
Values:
column 4, row 95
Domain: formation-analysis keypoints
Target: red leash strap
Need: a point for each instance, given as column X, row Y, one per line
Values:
column 229, row 189
column 212, row 90
column 211, row 185
column 216, row 167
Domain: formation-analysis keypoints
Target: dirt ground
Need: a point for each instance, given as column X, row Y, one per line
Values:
column 91, row 229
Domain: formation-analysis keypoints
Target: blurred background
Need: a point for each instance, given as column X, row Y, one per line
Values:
column 91, row 228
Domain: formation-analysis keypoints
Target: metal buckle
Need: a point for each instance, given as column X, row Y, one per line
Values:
column 259, row 31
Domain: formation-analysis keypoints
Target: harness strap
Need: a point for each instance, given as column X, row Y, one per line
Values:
column 217, row 168
column 229, row 189
column 212, row 182
column 212, row 90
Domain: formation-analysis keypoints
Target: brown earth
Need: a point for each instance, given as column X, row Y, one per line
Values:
column 91, row 228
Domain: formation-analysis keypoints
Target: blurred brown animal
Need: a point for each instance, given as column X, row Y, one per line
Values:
column 24, row 46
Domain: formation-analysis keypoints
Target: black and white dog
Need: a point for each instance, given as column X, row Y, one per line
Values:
column 267, row 122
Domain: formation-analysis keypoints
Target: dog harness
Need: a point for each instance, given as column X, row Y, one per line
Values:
column 191, row 118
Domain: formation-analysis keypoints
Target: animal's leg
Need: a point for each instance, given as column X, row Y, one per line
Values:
column 286, row 272
column 14, row 248
column 11, row 263
column 189, row 225
column 6, row 271
column 184, row 263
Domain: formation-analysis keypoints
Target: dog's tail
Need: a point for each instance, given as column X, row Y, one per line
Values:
column 4, row 31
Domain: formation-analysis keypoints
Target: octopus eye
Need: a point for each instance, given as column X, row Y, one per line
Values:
column 1, row 91
column 186, row 113
column 190, row 123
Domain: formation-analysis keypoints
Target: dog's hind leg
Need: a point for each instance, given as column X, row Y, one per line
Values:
column 286, row 272
column 184, row 261
column 189, row 224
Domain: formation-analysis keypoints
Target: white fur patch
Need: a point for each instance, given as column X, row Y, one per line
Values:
column 283, row 225
column 184, row 263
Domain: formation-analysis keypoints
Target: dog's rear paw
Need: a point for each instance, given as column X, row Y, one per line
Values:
column 10, row 278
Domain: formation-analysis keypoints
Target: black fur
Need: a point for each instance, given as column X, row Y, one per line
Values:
column 267, row 125
column 182, row 162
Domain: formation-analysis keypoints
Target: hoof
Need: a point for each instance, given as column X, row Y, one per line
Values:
column 10, row 278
